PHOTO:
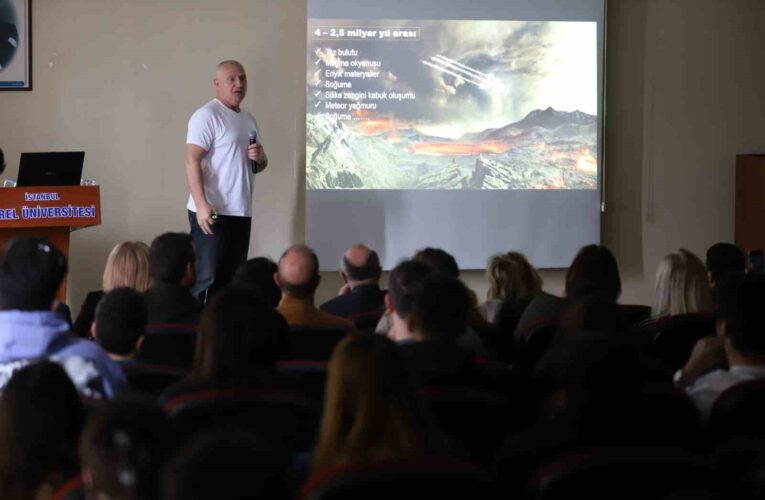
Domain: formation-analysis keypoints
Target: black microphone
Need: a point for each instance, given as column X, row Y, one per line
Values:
column 253, row 140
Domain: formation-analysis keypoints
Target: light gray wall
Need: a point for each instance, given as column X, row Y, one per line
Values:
column 685, row 92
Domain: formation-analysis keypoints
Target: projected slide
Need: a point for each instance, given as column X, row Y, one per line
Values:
column 444, row 105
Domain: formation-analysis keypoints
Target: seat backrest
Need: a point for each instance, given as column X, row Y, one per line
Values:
column 302, row 377
column 169, row 344
column 434, row 478
column 601, row 473
column 367, row 321
column 676, row 335
column 73, row 489
column 314, row 343
column 740, row 410
column 152, row 379
column 635, row 313
column 476, row 418
column 288, row 420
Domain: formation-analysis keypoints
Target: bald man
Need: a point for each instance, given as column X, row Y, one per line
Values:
column 298, row 277
column 220, row 164
column 361, row 299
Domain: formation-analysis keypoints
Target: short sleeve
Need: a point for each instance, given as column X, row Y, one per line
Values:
column 201, row 132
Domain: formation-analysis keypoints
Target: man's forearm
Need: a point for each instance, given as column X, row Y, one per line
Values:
column 195, row 182
column 263, row 164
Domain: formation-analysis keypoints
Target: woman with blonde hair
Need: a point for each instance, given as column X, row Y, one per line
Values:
column 126, row 266
column 681, row 286
column 511, row 277
column 371, row 412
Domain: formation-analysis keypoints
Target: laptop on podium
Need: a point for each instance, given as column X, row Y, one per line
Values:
column 51, row 169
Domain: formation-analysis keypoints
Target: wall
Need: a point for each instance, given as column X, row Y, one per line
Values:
column 120, row 79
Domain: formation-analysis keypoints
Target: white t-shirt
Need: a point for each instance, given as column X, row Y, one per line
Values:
column 226, row 174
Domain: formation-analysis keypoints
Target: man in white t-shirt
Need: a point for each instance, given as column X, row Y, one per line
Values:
column 219, row 171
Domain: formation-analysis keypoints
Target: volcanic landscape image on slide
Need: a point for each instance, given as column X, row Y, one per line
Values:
column 487, row 105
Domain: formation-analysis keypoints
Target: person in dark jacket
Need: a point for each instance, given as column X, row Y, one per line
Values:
column 171, row 266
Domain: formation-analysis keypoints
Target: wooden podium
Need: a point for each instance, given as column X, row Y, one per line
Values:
column 51, row 212
column 750, row 202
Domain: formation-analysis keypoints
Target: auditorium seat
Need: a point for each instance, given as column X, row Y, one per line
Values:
column 302, row 377
column 476, row 418
column 289, row 420
column 72, row 489
column 169, row 344
column 314, row 343
column 366, row 322
column 675, row 337
column 152, row 379
column 635, row 314
column 624, row 473
column 439, row 478
column 740, row 410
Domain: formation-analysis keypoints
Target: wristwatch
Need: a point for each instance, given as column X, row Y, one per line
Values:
column 679, row 379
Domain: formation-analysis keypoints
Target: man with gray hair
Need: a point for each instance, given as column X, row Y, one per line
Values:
column 298, row 278
column 361, row 299
column 220, row 165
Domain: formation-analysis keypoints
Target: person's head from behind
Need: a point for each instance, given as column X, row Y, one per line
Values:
column 403, row 282
column 120, row 322
column 439, row 261
column 741, row 317
column 31, row 272
column 511, row 277
column 122, row 450
column 239, row 338
column 127, row 266
column 171, row 259
column 371, row 411
column 593, row 270
column 41, row 416
column 722, row 260
column 298, row 273
column 225, row 464
column 258, row 275
column 360, row 265
column 439, row 309
column 681, row 286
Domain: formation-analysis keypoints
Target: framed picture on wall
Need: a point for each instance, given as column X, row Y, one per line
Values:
column 15, row 45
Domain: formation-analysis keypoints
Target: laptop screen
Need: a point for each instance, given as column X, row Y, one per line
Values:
column 51, row 169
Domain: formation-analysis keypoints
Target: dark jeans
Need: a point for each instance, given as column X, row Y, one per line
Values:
column 220, row 254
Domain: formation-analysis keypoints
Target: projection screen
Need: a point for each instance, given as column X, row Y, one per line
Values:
column 474, row 126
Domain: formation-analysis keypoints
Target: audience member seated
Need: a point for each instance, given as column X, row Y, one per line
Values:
column 120, row 324
column 723, row 260
column 681, row 286
column 123, row 449
column 512, row 285
column 593, row 270
column 479, row 335
column 371, row 410
column 31, row 273
column 40, row 421
column 230, row 464
column 429, row 314
column 361, row 297
column 597, row 397
column 740, row 342
column 171, row 265
column 298, row 278
column 237, row 345
column 258, row 275
column 126, row 266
